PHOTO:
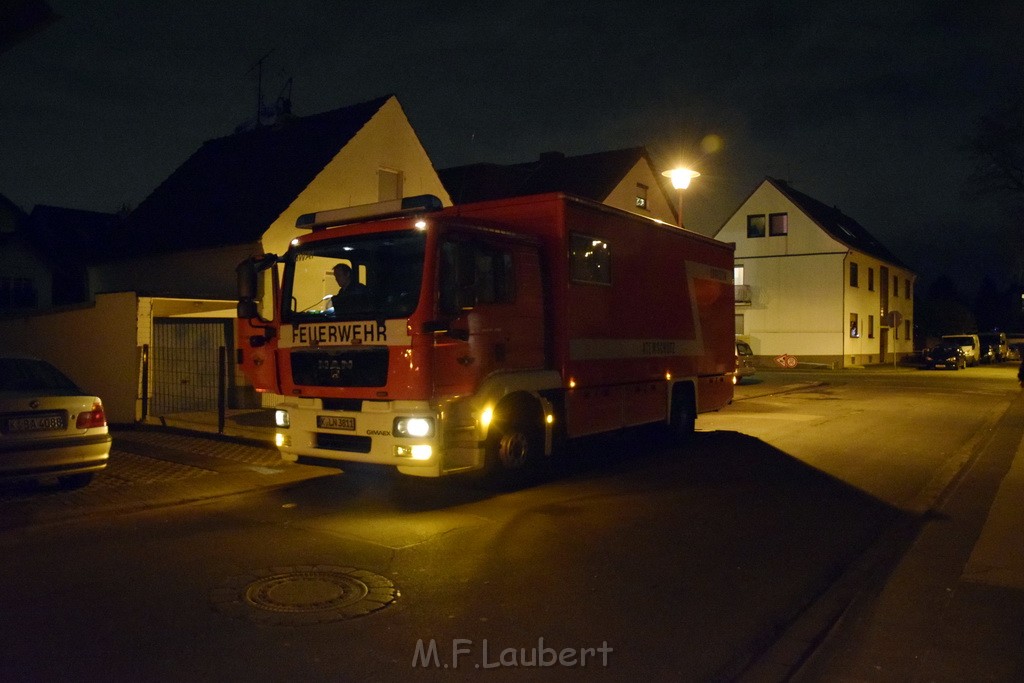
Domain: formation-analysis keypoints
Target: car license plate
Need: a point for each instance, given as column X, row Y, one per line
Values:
column 36, row 423
column 335, row 422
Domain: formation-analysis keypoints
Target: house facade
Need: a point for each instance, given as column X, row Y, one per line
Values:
column 813, row 284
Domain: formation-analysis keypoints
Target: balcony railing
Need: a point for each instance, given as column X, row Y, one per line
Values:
column 741, row 294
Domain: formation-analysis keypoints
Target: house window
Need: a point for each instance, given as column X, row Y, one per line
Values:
column 895, row 286
column 739, row 324
column 871, row 279
column 389, row 184
column 906, row 289
column 755, row 225
column 641, row 196
column 589, row 260
column 853, row 274
column 737, row 274
column 778, row 224
column 871, row 327
column 854, row 330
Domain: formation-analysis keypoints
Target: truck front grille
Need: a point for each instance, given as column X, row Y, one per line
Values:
column 341, row 368
column 343, row 442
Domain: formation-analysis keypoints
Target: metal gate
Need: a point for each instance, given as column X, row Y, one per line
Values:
column 186, row 365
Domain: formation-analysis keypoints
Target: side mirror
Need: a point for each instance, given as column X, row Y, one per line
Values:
column 247, row 283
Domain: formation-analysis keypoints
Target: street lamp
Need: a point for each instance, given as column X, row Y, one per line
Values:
column 680, row 178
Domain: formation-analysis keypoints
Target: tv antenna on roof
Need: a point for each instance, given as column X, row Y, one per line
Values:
column 259, row 84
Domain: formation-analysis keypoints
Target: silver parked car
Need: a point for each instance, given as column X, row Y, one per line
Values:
column 49, row 428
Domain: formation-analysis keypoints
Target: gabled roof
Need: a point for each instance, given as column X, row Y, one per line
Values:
column 593, row 176
column 232, row 188
column 838, row 225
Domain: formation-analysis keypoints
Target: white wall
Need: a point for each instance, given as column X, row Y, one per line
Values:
column 796, row 305
column 97, row 346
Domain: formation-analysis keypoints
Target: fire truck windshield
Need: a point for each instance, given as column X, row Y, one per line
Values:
column 362, row 277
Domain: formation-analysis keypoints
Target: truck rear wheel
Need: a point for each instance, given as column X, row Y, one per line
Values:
column 682, row 421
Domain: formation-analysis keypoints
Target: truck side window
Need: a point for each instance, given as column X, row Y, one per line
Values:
column 473, row 274
column 590, row 260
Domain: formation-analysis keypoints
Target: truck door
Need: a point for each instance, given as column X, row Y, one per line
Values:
column 491, row 296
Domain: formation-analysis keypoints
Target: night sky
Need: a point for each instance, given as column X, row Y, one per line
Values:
column 862, row 105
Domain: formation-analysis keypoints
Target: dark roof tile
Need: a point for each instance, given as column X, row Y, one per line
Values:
column 837, row 224
column 232, row 188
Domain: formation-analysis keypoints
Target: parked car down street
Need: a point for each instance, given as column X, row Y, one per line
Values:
column 744, row 360
column 946, row 355
column 49, row 428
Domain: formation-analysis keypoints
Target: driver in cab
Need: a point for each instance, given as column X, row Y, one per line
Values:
column 351, row 292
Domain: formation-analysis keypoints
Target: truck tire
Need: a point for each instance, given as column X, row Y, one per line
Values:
column 683, row 418
column 514, row 450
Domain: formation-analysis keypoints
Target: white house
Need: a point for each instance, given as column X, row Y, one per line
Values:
column 813, row 284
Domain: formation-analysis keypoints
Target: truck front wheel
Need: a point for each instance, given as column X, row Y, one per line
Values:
column 513, row 451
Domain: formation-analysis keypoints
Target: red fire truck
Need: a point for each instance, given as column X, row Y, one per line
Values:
column 482, row 336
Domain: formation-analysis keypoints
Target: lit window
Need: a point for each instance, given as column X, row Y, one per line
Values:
column 778, row 224
column 755, row 225
column 854, row 331
column 641, row 196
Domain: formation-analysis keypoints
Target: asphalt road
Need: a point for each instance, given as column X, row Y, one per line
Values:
column 635, row 560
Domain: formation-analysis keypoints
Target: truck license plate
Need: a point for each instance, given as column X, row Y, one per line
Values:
column 36, row 423
column 335, row 422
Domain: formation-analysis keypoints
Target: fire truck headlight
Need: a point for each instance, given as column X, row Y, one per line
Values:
column 413, row 426
column 417, row 452
column 281, row 418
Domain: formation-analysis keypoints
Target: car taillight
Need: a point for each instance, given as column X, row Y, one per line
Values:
column 93, row 418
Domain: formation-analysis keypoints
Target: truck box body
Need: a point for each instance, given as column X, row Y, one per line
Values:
column 504, row 326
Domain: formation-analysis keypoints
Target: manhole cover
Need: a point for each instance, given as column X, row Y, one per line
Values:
column 304, row 595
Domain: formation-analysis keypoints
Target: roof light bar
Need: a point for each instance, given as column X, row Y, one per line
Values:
column 352, row 214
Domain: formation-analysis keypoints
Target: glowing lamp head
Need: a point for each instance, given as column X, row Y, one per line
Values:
column 680, row 177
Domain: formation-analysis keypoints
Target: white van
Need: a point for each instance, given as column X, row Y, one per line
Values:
column 969, row 343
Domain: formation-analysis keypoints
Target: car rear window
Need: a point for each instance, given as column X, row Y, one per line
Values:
column 26, row 374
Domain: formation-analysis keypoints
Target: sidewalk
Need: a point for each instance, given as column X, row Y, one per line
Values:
column 152, row 467
column 952, row 609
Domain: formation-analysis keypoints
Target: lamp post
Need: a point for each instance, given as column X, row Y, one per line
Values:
column 680, row 178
